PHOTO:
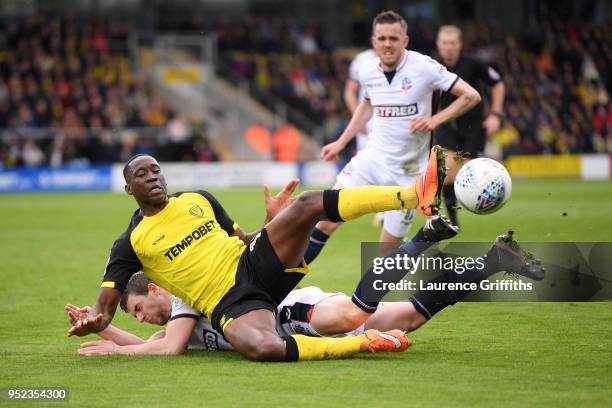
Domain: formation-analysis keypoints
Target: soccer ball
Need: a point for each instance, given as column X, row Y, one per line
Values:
column 483, row 186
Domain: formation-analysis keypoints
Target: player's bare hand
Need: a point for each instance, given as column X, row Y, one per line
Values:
column 280, row 201
column 86, row 326
column 492, row 124
column 76, row 313
column 331, row 151
column 423, row 124
column 98, row 348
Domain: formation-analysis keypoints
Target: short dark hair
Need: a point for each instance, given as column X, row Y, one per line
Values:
column 137, row 285
column 126, row 168
column 389, row 17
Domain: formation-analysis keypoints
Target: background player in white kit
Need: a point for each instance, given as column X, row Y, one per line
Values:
column 354, row 94
column 398, row 91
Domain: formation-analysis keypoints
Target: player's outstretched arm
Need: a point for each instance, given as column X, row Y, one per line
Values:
column 111, row 332
column 174, row 342
column 120, row 337
column 99, row 316
column 360, row 117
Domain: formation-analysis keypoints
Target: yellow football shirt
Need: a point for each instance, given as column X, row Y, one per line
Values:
column 186, row 248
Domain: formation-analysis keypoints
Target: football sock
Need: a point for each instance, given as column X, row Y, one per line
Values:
column 418, row 237
column 430, row 302
column 451, row 202
column 365, row 296
column 304, row 348
column 316, row 243
column 350, row 203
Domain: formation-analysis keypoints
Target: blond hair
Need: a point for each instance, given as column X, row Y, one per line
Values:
column 451, row 29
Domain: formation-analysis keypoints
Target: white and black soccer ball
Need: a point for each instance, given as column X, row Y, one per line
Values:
column 483, row 186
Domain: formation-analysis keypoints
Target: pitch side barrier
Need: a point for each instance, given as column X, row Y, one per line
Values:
column 47, row 179
column 585, row 166
column 574, row 272
column 184, row 176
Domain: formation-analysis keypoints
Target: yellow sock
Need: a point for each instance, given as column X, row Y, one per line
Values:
column 357, row 201
column 327, row 348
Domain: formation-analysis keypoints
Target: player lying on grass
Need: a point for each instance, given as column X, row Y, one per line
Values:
column 308, row 311
column 186, row 327
column 189, row 245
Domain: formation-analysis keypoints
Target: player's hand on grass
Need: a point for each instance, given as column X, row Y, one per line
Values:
column 98, row 348
column 423, row 124
column 492, row 124
column 332, row 150
column 85, row 326
column 76, row 313
column 276, row 204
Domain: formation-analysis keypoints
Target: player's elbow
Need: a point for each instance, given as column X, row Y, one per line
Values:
column 473, row 97
column 175, row 350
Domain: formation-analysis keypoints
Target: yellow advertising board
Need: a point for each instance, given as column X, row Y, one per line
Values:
column 187, row 74
column 544, row 166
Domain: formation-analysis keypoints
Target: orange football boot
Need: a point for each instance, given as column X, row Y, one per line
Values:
column 392, row 340
column 429, row 183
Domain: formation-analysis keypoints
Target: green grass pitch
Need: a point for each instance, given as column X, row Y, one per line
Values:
column 54, row 247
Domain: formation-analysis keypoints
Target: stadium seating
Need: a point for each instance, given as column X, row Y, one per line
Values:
column 68, row 95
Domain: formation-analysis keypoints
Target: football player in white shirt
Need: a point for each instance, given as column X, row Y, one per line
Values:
column 399, row 87
column 186, row 327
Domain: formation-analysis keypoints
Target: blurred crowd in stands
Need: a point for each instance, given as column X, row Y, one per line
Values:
column 557, row 74
column 68, row 95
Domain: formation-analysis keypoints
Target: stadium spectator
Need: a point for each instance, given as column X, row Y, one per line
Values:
column 61, row 81
column 259, row 138
column 286, row 143
column 203, row 151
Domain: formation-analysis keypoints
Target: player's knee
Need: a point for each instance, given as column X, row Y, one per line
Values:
column 352, row 321
column 309, row 202
column 265, row 348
